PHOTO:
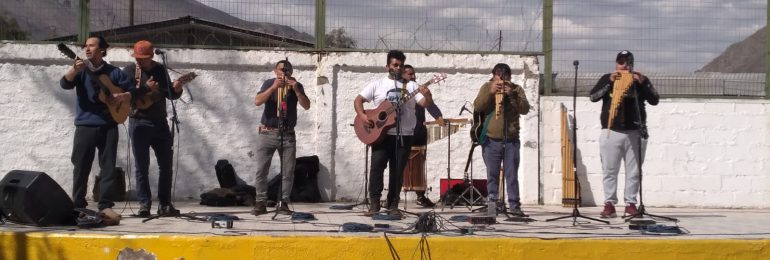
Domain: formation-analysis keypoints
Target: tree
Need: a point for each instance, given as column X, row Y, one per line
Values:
column 339, row 38
column 9, row 30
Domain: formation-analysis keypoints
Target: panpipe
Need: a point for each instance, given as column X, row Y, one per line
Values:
column 619, row 90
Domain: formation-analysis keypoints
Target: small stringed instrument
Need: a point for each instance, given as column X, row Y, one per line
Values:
column 151, row 96
column 383, row 117
column 118, row 110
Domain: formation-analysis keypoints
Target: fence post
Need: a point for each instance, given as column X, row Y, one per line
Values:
column 548, row 45
column 83, row 21
column 767, row 50
column 320, row 24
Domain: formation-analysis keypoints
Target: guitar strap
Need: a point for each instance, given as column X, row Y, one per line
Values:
column 483, row 136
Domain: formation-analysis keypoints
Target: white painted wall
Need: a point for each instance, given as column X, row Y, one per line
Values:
column 701, row 153
column 36, row 128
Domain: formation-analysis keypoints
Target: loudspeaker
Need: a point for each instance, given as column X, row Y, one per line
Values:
column 30, row 197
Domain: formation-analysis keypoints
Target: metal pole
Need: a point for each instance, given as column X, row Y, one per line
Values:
column 83, row 21
column 320, row 24
column 548, row 45
column 131, row 12
column 767, row 49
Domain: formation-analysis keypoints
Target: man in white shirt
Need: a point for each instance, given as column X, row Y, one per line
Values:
column 394, row 149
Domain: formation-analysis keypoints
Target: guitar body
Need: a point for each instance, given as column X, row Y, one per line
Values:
column 151, row 96
column 382, row 122
column 478, row 124
column 147, row 100
column 118, row 110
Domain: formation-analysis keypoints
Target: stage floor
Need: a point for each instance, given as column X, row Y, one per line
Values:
column 697, row 222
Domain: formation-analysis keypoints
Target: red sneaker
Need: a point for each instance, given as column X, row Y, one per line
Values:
column 609, row 211
column 631, row 210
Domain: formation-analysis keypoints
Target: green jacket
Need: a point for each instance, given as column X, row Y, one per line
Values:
column 516, row 106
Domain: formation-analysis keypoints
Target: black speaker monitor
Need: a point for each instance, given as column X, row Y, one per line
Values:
column 30, row 197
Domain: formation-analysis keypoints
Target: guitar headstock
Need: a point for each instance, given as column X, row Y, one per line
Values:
column 187, row 77
column 66, row 51
column 438, row 77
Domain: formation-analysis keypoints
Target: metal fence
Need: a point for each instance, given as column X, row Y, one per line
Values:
column 682, row 37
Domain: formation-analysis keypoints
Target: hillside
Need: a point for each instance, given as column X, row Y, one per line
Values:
column 746, row 56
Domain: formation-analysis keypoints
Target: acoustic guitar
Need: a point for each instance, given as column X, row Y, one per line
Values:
column 383, row 117
column 119, row 110
column 151, row 96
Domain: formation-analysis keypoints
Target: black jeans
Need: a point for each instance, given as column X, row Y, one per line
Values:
column 393, row 153
column 87, row 140
column 146, row 134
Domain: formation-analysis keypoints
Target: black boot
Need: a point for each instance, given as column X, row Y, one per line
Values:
column 374, row 207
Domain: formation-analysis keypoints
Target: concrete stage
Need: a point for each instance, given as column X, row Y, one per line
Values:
column 711, row 234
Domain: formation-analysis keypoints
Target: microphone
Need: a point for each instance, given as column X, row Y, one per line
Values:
column 463, row 109
column 159, row 52
column 575, row 63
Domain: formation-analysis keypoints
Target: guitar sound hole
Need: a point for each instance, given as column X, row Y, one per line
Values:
column 381, row 116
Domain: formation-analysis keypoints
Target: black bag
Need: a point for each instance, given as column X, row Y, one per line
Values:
column 225, row 174
column 305, row 186
column 219, row 197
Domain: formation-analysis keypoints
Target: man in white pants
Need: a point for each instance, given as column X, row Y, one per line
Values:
column 621, row 140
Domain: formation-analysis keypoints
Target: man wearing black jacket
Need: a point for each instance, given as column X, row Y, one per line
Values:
column 621, row 140
column 148, row 127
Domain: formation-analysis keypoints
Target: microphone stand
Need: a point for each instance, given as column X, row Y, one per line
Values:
column 281, row 98
column 575, row 212
column 399, row 141
column 642, row 134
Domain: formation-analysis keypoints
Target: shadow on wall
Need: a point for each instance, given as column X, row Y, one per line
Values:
column 586, row 195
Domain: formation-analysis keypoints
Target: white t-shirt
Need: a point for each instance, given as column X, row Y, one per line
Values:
column 386, row 89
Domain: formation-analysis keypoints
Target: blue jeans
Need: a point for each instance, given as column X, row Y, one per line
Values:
column 494, row 153
column 146, row 134
column 268, row 143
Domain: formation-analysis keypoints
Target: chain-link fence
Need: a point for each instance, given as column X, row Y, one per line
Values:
column 689, row 41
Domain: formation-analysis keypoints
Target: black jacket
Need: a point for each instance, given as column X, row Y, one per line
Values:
column 626, row 114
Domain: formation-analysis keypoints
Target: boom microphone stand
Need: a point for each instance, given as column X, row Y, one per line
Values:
column 575, row 212
column 399, row 139
column 642, row 134
column 281, row 98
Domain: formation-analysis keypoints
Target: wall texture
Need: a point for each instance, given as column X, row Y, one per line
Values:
column 218, row 117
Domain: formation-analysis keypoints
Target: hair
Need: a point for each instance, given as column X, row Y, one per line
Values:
column 286, row 65
column 102, row 44
column 407, row 66
column 501, row 69
column 395, row 54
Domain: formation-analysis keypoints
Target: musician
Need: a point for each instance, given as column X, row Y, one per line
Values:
column 148, row 128
column 94, row 126
column 500, row 135
column 393, row 150
column 619, row 142
column 420, row 137
column 269, row 138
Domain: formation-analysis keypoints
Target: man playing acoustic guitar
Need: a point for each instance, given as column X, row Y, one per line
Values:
column 94, row 127
column 392, row 150
column 148, row 127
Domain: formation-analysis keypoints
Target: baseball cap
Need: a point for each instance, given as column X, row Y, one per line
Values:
column 143, row 49
column 625, row 56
